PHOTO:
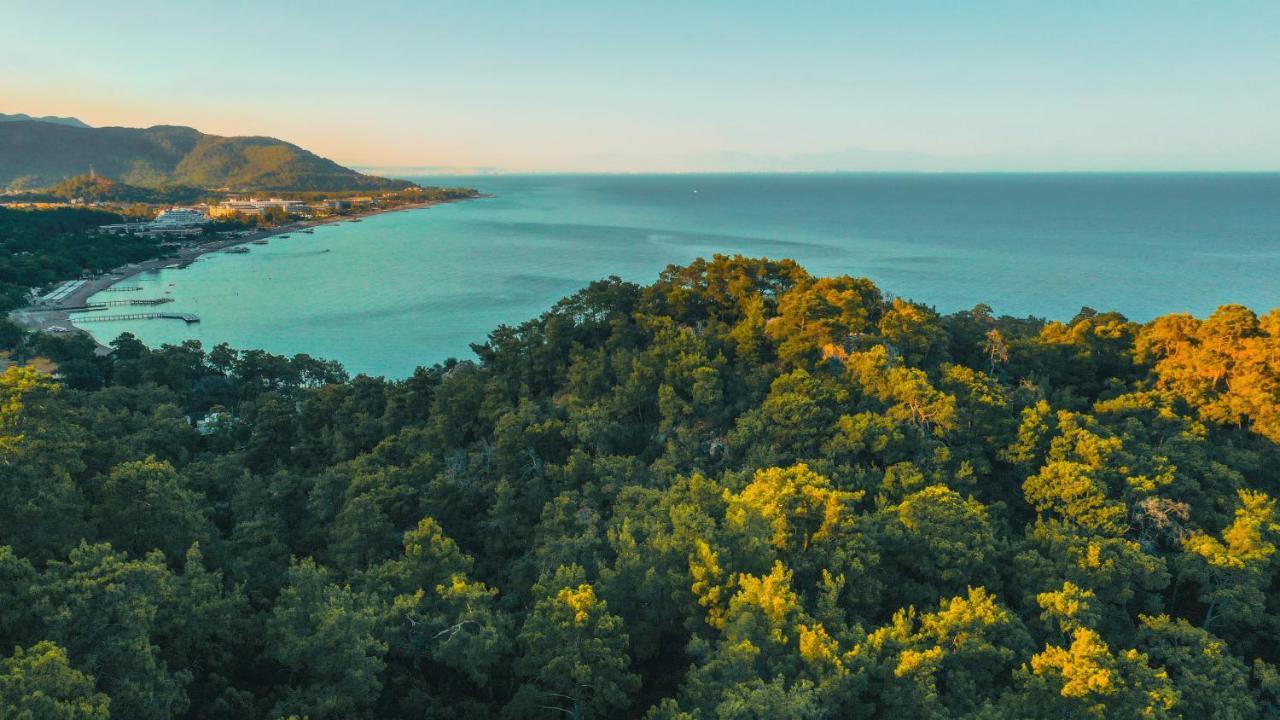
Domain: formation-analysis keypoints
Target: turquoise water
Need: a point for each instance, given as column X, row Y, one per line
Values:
column 411, row 288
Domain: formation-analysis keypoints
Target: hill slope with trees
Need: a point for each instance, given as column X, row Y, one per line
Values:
column 740, row 492
column 39, row 248
column 39, row 154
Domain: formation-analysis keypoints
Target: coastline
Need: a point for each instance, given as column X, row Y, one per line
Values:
column 41, row 319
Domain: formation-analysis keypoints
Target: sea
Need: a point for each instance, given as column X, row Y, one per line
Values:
column 413, row 288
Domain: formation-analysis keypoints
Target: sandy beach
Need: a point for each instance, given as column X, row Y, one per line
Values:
column 59, row 315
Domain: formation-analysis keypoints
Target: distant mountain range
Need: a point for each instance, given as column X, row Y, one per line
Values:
column 17, row 117
column 41, row 152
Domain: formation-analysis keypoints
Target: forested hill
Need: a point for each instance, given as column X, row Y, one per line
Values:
column 740, row 492
column 39, row 154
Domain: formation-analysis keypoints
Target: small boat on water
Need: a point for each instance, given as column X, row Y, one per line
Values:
column 259, row 242
column 282, row 236
column 238, row 250
column 309, row 231
column 354, row 220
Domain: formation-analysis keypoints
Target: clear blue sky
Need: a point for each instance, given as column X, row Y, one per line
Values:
column 636, row 86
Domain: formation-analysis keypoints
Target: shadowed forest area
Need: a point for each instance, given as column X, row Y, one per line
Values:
column 739, row 492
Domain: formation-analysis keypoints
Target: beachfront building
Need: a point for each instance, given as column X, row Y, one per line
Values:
column 340, row 205
column 132, row 228
column 178, row 221
column 174, row 221
column 230, row 208
column 60, row 293
column 179, row 218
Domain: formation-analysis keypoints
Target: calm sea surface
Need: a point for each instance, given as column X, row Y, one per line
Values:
column 412, row 288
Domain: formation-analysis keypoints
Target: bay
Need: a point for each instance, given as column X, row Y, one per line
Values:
column 411, row 288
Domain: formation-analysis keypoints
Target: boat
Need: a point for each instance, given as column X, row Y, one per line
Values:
column 237, row 250
column 259, row 242
column 309, row 232
column 354, row 220
column 282, row 236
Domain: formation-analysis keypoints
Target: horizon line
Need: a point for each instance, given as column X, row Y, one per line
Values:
column 465, row 171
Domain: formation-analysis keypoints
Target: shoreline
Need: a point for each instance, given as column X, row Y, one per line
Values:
column 41, row 319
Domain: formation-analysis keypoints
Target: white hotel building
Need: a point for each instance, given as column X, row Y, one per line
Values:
column 174, row 221
column 257, row 207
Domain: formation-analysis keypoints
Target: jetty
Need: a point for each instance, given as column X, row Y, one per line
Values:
column 123, row 288
column 133, row 301
column 185, row 317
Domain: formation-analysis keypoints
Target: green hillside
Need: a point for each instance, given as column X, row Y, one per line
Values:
column 740, row 493
column 39, row 154
column 96, row 188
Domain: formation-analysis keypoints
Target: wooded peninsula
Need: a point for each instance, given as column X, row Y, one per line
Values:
column 739, row 492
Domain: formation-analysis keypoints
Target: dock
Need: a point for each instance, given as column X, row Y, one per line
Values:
column 103, row 305
column 133, row 301
column 123, row 288
column 185, row 317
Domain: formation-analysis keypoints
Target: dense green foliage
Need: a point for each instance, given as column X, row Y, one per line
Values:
column 741, row 492
column 96, row 188
column 39, row 154
column 40, row 247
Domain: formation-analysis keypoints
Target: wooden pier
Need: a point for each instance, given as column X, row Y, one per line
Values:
column 123, row 288
column 107, row 304
column 138, row 301
column 185, row 317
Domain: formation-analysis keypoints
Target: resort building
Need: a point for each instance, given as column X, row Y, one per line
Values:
column 178, row 218
column 339, row 205
column 257, row 207
column 174, row 221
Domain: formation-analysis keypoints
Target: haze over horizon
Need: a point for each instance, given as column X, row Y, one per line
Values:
column 665, row 87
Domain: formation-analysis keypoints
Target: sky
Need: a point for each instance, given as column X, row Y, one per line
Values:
column 674, row 86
